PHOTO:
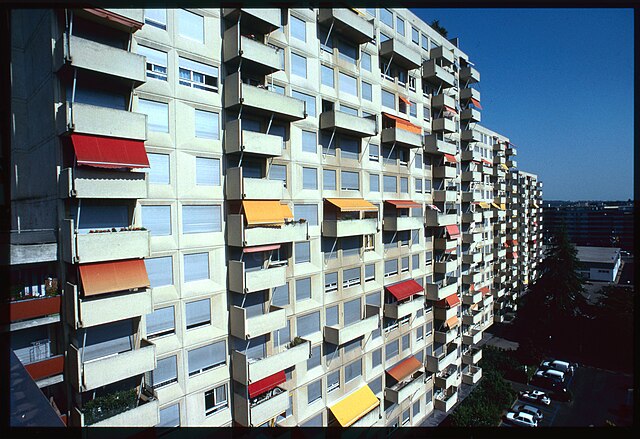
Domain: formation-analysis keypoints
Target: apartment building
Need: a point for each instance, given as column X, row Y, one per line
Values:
column 258, row 217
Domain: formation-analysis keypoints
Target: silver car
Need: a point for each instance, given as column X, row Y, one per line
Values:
column 533, row 411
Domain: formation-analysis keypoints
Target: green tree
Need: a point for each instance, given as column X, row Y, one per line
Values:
column 435, row 24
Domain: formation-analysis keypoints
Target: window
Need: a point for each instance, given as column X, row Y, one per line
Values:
column 349, row 147
column 197, row 75
column 388, row 99
column 416, row 409
column 191, row 25
column 170, row 416
column 374, row 152
column 316, row 357
column 309, row 178
column 405, row 342
column 425, row 42
column 390, row 268
column 418, row 183
column 215, row 400
column 330, row 282
column 314, row 391
column 303, row 289
column 376, row 385
column 298, row 29
column 333, row 381
column 419, row 333
column 404, row 185
column 352, row 309
column 413, row 108
column 157, row 219
column 280, row 295
column 405, row 264
column 308, row 324
column 418, row 161
column 198, row 313
column 347, row 52
column 391, row 349
column 376, row 358
column 207, row 125
column 306, row 211
column 165, row 373
column 369, row 271
column 156, row 61
column 298, row 65
column 390, row 183
column 426, row 112
column 352, row 371
column 415, row 260
column 327, row 76
column 201, row 219
column 315, row 421
column 331, row 316
column 415, row 35
column 405, row 417
column 278, row 172
column 161, row 322
column 351, row 277
column 303, row 252
column 158, row 168
column 196, row 267
column 309, row 141
column 349, row 181
column 367, row 91
column 384, row 37
column 365, row 61
column 156, row 17
column 206, row 357
column 310, row 102
column 348, row 110
column 207, row 171
column 157, row 115
column 326, row 42
column 348, row 84
column 400, row 25
column 329, row 179
column 412, row 83
column 386, row 16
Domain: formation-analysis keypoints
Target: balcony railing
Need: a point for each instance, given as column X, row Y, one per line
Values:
column 119, row 409
column 247, row 370
column 92, row 183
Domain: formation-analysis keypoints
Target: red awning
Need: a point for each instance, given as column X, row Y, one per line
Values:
column 266, row 384
column 487, row 162
column 476, row 103
column 403, row 204
column 109, row 152
column 116, row 18
column 405, row 368
column 405, row 100
column 448, row 302
column 260, row 248
column 453, row 231
column 403, row 124
column 434, row 207
column 450, row 158
column 484, row 290
column 449, row 109
column 404, row 289
column 450, row 250
column 107, row 277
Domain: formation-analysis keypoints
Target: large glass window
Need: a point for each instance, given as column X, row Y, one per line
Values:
column 196, row 267
column 367, row 91
column 308, row 212
column 160, row 322
column 390, row 183
column 215, row 400
column 388, row 99
column 298, row 65
column 206, row 357
column 191, row 25
column 198, row 313
column 327, row 76
column 386, row 17
column 157, row 114
column 157, row 219
column 156, row 17
column 156, row 62
column 303, row 289
column 347, row 52
column 309, row 178
column 207, row 124
column 374, row 183
column 400, row 25
column 329, row 179
column 160, row 271
column 201, row 219
column 348, row 84
column 158, row 168
column 349, row 181
column 197, row 75
column 365, row 61
column 298, row 28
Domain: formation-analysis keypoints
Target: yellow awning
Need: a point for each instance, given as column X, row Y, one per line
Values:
column 503, row 206
column 352, row 204
column 503, row 166
column 484, row 205
column 266, row 212
column 495, row 205
column 355, row 406
column 357, row 11
column 535, row 204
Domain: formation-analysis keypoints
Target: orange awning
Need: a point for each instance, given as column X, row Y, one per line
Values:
column 450, row 158
column 352, row 204
column 261, row 248
column 266, row 212
column 476, row 103
column 107, row 277
column 453, row 231
column 403, row 123
column 403, row 204
column 495, row 205
column 448, row 302
column 405, row 100
column 405, row 368
column 451, row 322
column 452, row 110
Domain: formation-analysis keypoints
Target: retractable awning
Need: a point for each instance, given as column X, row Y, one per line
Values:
column 485, row 291
column 260, row 248
column 434, row 207
column 449, row 109
column 503, row 206
column 403, row 204
column 484, row 205
column 512, row 255
column 503, row 166
column 476, row 103
column 403, row 124
column 353, row 407
column 109, row 152
column 133, row 25
column 405, row 368
column 451, row 322
column 266, row 212
column 487, row 162
column 535, row 204
column 495, row 205
column 352, row 204
column 404, row 289
column 107, row 277
column 405, row 100
column 448, row 302
column 453, row 231
column 266, row 384
column 450, row 158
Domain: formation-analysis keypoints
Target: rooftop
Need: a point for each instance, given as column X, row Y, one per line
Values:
column 598, row 254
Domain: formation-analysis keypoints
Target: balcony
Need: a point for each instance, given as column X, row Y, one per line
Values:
column 51, row 366
column 399, row 223
column 264, row 409
column 468, row 197
column 443, row 125
column 470, row 135
column 29, row 308
column 445, row 313
column 444, row 171
column 471, row 176
column 401, row 137
column 85, row 182
column 445, row 267
column 446, row 335
column 469, row 75
column 468, row 217
column 437, row 75
column 239, row 140
column 404, row 390
column 349, row 227
column 445, row 244
column 260, row 20
column 447, row 377
column 244, row 280
column 142, row 412
column 240, row 188
column 471, row 375
column 260, row 100
column 512, row 163
column 470, row 237
column 443, row 100
column 472, row 258
column 254, row 55
column 248, row 370
column 469, row 93
column 84, row 312
column 446, row 400
column 470, row 155
column 244, row 326
column 397, row 310
column 348, row 124
column 433, row 145
column 85, row 54
column 438, row 219
column 403, row 55
column 437, row 292
column 90, row 119
column 472, row 317
column 348, row 24
column 240, row 235
column 339, row 335
column 442, row 358
column 89, row 375
column 449, row 195
column 472, row 278
column 472, row 336
column 470, row 115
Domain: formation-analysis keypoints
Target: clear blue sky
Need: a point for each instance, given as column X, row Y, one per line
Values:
column 559, row 84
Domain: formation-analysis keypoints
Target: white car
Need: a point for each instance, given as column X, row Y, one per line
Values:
column 525, row 408
column 553, row 374
column 535, row 396
column 562, row 366
column 522, row 419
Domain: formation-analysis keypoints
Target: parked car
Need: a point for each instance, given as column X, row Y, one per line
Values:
column 546, row 383
column 553, row 374
column 522, row 419
column 535, row 396
column 525, row 408
column 562, row 366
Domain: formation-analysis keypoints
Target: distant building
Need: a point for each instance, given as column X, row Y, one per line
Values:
column 599, row 263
